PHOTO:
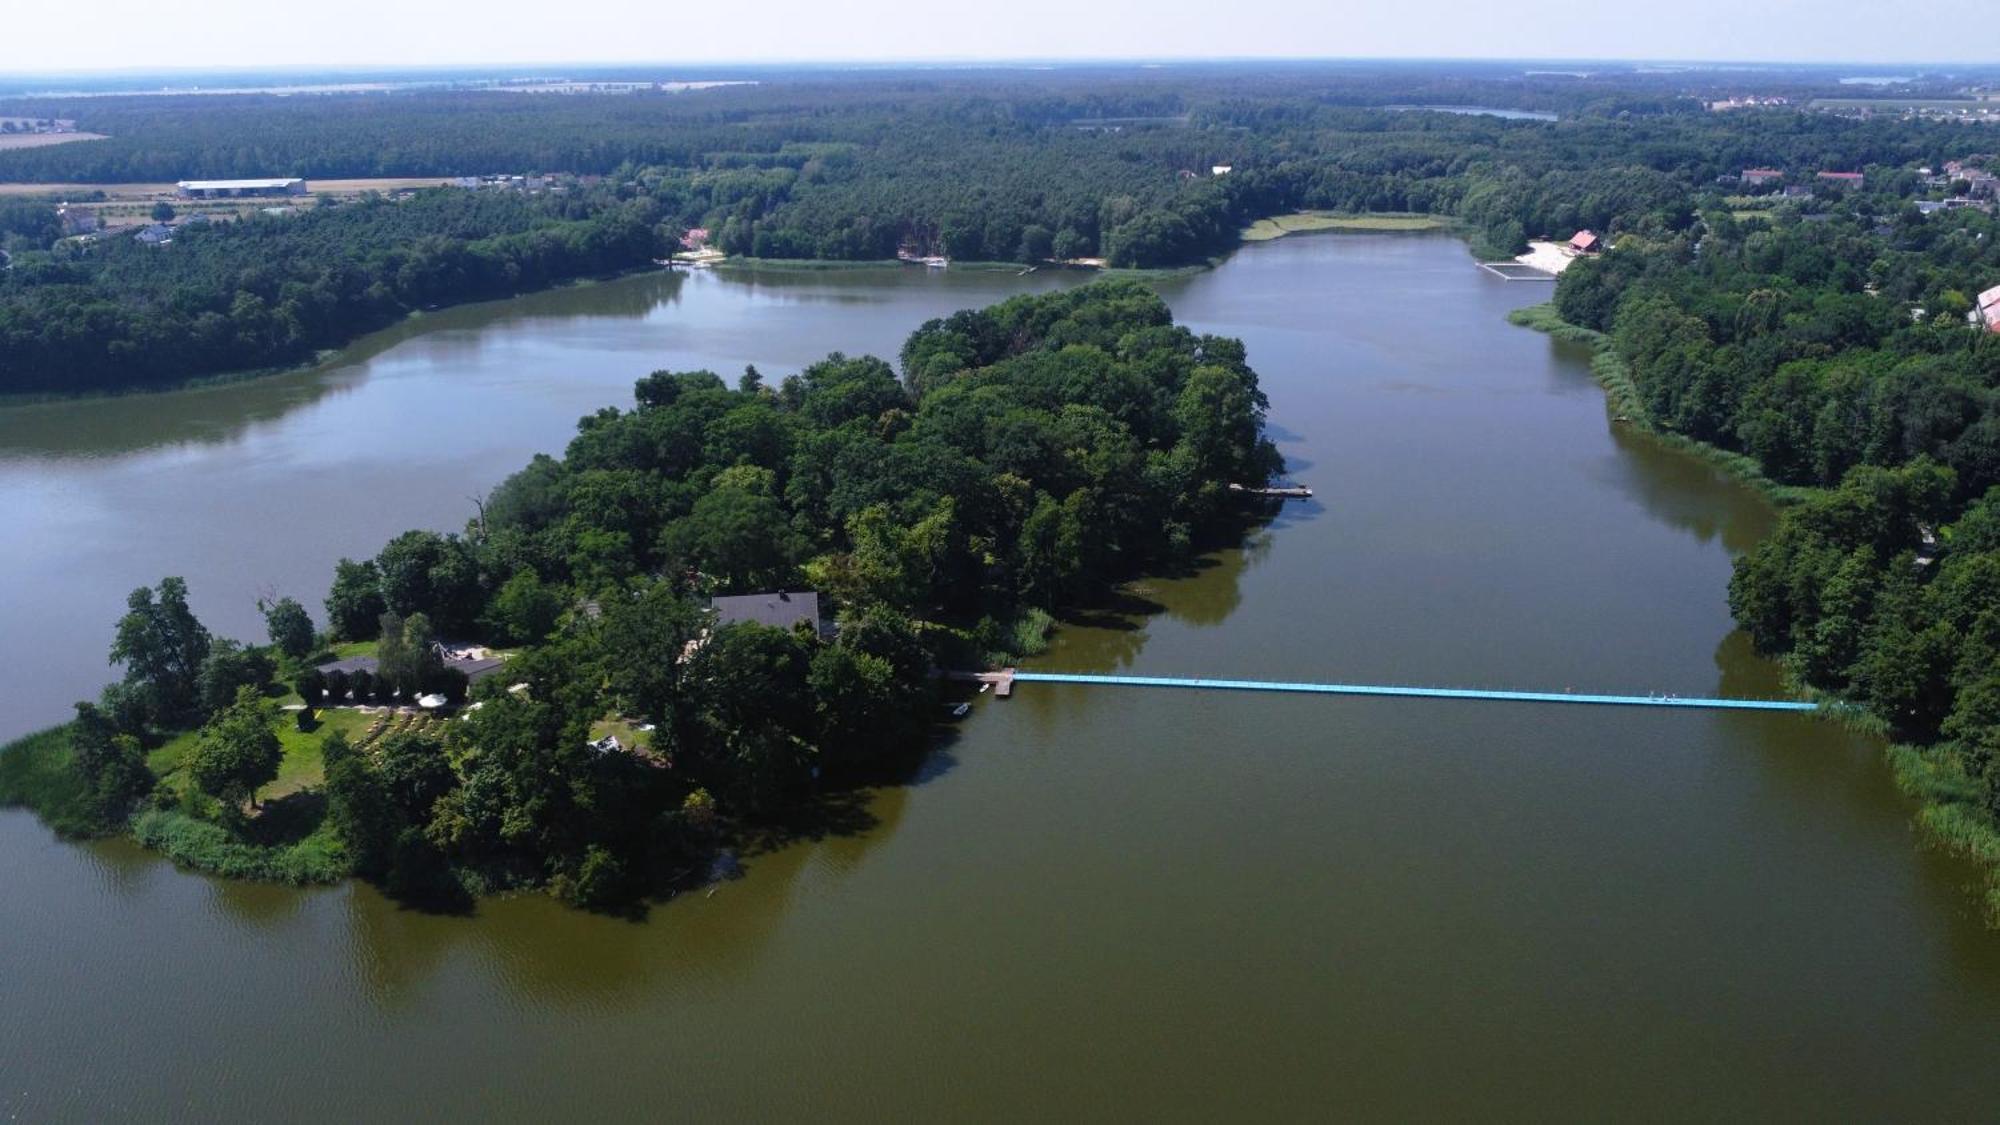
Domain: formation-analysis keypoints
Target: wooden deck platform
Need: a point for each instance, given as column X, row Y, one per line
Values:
column 1280, row 492
column 1002, row 680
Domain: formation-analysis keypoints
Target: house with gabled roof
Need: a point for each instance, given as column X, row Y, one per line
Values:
column 779, row 609
column 1988, row 311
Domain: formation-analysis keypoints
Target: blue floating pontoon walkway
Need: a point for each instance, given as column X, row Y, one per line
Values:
column 1419, row 692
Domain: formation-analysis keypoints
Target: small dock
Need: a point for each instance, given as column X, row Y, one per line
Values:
column 1002, row 680
column 1276, row 492
column 1516, row 271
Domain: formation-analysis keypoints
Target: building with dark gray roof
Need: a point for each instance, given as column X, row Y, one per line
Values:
column 780, row 609
column 475, row 668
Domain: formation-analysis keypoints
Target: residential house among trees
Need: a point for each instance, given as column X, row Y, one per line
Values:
column 477, row 663
column 1989, row 309
column 779, row 609
column 1585, row 242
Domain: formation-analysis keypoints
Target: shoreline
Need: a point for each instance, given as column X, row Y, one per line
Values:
column 1622, row 396
column 1940, row 815
column 328, row 357
column 324, row 357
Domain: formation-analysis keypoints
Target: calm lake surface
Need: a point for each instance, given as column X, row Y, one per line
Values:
column 1096, row 903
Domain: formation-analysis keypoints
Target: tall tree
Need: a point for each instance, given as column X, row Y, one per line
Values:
column 237, row 753
column 290, row 627
column 162, row 646
column 354, row 605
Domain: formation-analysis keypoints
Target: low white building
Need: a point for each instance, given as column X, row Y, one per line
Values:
column 240, row 189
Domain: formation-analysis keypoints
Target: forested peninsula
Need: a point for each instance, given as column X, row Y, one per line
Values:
column 1029, row 456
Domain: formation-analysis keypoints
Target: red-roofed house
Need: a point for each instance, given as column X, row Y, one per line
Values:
column 1757, row 177
column 1585, row 242
column 1852, row 179
column 1989, row 309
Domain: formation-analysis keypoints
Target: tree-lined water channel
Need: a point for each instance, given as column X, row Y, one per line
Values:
column 1096, row 903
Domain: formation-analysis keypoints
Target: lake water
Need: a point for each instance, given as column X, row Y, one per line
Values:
column 1096, row 903
column 1478, row 111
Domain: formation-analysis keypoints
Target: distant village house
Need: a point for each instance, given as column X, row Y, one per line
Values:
column 1988, row 311
column 37, row 125
column 1748, row 101
column 1585, row 242
column 1758, row 177
column 78, row 220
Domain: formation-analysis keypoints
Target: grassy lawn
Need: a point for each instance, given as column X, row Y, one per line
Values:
column 302, row 767
column 1278, row 226
column 629, row 736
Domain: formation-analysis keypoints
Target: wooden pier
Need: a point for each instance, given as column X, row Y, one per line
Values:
column 1276, row 492
column 1002, row 680
column 1516, row 271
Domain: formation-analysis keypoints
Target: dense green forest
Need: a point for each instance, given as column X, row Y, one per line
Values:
column 995, row 169
column 269, row 291
column 1832, row 348
column 1030, row 455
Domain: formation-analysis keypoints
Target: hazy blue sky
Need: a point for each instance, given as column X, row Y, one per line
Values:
column 123, row 34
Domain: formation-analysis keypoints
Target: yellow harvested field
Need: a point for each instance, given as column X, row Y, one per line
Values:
column 115, row 192
column 43, row 140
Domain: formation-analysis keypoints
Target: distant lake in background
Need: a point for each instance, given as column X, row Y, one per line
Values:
column 1476, row 111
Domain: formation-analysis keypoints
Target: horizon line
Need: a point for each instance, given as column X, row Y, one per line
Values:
column 1000, row 62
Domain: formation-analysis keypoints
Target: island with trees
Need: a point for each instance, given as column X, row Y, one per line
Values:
column 1029, row 456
